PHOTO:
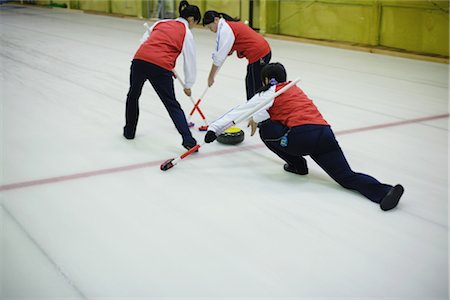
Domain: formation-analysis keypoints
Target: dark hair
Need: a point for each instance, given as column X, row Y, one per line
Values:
column 187, row 11
column 209, row 16
column 275, row 71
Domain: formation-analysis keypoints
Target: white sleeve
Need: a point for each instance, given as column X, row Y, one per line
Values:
column 226, row 120
column 189, row 60
column 224, row 42
column 263, row 114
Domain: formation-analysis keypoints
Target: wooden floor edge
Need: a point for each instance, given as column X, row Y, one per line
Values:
column 370, row 49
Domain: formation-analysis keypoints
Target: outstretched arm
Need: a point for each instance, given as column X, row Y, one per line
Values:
column 212, row 74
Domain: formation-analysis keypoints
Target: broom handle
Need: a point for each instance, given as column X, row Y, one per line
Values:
column 182, row 84
column 246, row 115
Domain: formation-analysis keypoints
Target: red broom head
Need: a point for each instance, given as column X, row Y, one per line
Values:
column 167, row 164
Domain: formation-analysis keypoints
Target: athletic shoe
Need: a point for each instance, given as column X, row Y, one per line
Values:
column 190, row 146
column 128, row 134
column 392, row 198
column 292, row 169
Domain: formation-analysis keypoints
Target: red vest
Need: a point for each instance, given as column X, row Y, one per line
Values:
column 164, row 45
column 248, row 43
column 294, row 108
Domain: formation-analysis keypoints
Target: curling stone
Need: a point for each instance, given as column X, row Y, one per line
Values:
column 231, row 136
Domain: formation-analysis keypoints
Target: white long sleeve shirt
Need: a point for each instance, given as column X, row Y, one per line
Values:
column 223, row 122
column 224, row 42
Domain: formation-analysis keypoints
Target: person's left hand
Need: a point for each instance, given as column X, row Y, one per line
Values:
column 253, row 125
column 188, row 92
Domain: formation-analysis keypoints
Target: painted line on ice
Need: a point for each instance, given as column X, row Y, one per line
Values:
column 25, row 184
column 392, row 124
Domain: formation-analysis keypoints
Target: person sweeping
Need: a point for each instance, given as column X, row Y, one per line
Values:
column 154, row 61
column 292, row 127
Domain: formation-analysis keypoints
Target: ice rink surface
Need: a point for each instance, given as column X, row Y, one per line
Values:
column 87, row 214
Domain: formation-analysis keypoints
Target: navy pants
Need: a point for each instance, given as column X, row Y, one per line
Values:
column 319, row 142
column 253, row 78
column 162, row 82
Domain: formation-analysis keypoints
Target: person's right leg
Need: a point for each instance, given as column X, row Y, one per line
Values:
column 271, row 134
column 253, row 78
column 137, row 79
column 162, row 82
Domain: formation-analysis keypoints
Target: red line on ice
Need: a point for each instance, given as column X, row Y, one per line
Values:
column 24, row 184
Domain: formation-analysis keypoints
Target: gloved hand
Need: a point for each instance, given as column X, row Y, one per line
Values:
column 210, row 136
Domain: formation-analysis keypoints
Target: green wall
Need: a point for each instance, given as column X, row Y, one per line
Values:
column 421, row 30
column 406, row 25
column 353, row 23
column 417, row 26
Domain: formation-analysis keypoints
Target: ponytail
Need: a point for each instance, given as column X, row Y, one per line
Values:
column 209, row 16
column 187, row 11
column 275, row 73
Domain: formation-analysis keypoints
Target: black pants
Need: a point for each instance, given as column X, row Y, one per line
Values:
column 319, row 142
column 253, row 78
column 162, row 82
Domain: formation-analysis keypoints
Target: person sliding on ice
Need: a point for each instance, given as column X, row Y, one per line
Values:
column 292, row 127
column 237, row 36
column 154, row 61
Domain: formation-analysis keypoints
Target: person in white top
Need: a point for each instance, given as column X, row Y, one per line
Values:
column 155, row 60
column 231, row 36
column 292, row 127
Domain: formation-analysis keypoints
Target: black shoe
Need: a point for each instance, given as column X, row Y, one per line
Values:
column 392, row 198
column 128, row 134
column 189, row 142
column 292, row 169
column 190, row 147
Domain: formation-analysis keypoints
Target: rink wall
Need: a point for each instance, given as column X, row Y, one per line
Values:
column 420, row 27
column 417, row 26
